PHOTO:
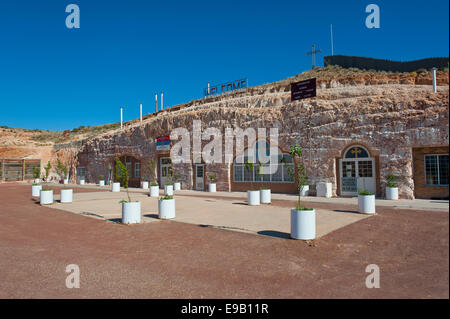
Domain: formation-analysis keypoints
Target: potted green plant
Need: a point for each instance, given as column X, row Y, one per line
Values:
column 61, row 170
column 166, row 207
column 265, row 193
column 154, row 187
column 101, row 182
column 36, row 174
column 115, row 187
column 46, row 196
column 366, row 202
column 131, row 210
column 253, row 195
column 177, row 183
column 212, row 183
column 47, row 170
column 168, row 188
column 303, row 219
column 391, row 187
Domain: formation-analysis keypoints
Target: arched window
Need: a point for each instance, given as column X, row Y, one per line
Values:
column 273, row 173
column 356, row 152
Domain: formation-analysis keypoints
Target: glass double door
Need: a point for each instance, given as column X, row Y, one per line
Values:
column 357, row 174
column 165, row 165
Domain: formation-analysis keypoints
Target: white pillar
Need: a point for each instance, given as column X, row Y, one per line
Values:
column 140, row 109
column 121, row 117
column 156, row 102
column 162, row 101
column 434, row 80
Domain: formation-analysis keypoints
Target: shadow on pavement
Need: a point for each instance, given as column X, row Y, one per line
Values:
column 274, row 233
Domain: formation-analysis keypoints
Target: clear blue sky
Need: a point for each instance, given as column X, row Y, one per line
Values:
column 56, row 78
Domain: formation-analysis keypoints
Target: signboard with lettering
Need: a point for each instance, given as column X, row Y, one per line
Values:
column 163, row 143
column 226, row 87
column 302, row 90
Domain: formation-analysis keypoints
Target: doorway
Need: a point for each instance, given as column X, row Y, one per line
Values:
column 165, row 168
column 200, row 177
column 357, row 172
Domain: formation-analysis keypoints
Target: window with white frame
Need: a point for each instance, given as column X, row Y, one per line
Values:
column 137, row 170
column 436, row 170
column 274, row 173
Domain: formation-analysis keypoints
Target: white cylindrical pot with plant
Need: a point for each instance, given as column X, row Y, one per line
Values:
column 144, row 185
column 391, row 187
column 212, row 187
column 131, row 212
column 168, row 190
column 265, row 195
column 305, row 190
column 303, row 224
column 101, row 183
column 392, row 193
column 166, row 207
column 46, row 196
column 36, row 190
column 115, row 187
column 82, row 181
column 154, row 190
column 366, row 203
column 253, row 198
column 66, row 195
column 66, row 181
column 37, row 180
column 177, row 186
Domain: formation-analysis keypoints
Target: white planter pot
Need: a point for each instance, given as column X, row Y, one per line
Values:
column 115, row 187
column 177, row 186
column 36, row 190
column 101, row 183
column 46, row 197
column 154, row 191
column 82, row 181
column 303, row 224
column 212, row 188
column 366, row 204
column 37, row 180
column 305, row 191
column 166, row 208
column 168, row 190
column 66, row 195
column 392, row 193
column 265, row 196
column 65, row 181
column 253, row 198
column 131, row 212
column 144, row 185
column 324, row 190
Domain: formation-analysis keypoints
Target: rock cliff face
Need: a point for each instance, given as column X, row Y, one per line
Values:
column 388, row 119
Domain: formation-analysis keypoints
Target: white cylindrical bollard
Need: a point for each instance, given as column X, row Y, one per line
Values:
column 115, row 187
column 101, row 183
column 46, row 197
column 303, row 224
column 36, row 190
column 305, row 190
column 366, row 204
column 253, row 198
column 176, row 186
column 434, row 80
column 66, row 195
column 392, row 193
column 131, row 212
column 212, row 187
column 166, row 208
column 265, row 196
column 144, row 185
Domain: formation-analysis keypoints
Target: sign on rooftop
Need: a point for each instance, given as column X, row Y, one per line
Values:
column 304, row 89
column 225, row 87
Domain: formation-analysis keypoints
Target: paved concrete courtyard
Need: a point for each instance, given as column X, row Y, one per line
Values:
column 207, row 211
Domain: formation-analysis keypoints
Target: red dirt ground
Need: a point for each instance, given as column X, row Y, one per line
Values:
column 167, row 259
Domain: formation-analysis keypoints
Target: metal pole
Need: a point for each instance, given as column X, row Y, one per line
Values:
column 314, row 56
column 434, row 80
column 332, row 45
column 162, row 101
column 156, row 102
column 121, row 117
column 140, row 109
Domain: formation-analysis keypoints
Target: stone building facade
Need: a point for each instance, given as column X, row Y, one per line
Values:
column 353, row 135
